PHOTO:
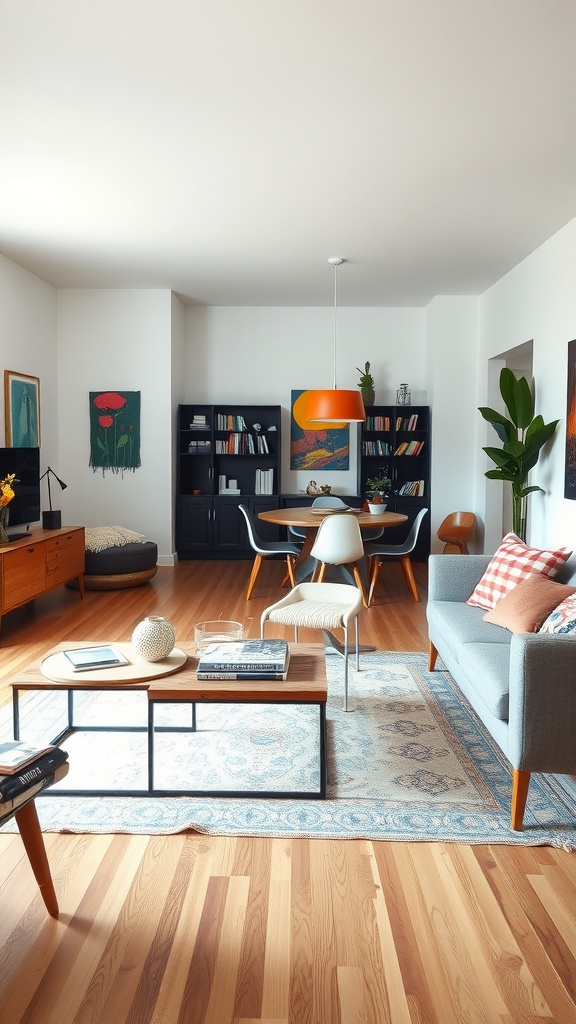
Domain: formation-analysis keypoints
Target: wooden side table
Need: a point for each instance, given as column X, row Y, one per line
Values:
column 23, row 809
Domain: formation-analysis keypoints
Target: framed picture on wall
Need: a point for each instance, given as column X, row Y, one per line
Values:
column 316, row 445
column 21, row 410
column 570, row 459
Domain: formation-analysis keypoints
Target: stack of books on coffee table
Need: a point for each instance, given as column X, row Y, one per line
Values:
column 25, row 770
column 245, row 659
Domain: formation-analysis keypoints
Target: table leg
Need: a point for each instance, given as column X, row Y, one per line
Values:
column 16, row 712
column 304, row 565
column 323, row 752
column 29, row 828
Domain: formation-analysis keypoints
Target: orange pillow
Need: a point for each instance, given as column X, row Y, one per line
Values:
column 524, row 609
column 511, row 564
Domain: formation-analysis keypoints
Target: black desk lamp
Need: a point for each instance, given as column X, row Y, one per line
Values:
column 52, row 520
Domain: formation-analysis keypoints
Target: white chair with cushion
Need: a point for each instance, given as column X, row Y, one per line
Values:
column 266, row 549
column 323, row 606
column 339, row 542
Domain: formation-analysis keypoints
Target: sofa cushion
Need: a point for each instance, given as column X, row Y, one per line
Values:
column 511, row 564
column 524, row 609
column 487, row 668
column 562, row 619
column 457, row 623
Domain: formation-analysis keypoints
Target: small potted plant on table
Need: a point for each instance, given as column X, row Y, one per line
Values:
column 378, row 489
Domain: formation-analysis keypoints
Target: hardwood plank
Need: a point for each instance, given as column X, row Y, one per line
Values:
column 194, row 928
column 277, row 955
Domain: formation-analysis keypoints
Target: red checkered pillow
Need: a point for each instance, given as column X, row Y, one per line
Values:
column 512, row 563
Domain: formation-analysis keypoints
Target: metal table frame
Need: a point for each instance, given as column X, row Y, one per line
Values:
column 151, row 730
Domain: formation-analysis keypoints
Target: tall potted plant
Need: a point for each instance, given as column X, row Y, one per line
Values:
column 523, row 435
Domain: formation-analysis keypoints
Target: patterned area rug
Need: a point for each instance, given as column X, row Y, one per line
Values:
column 412, row 762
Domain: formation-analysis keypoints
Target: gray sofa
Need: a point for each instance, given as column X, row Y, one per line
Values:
column 521, row 685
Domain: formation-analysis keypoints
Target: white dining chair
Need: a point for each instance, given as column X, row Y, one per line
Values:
column 324, row 606
column 339, row 542
column 322, row 501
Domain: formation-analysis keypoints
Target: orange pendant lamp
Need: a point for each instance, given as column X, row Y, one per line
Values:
column 336, row 405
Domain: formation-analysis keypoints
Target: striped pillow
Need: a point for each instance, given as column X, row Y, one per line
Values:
column 513, row 562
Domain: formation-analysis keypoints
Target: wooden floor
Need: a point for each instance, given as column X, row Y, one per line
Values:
column 190, row 928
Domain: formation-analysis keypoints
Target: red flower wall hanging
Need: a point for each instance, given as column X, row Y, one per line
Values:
column 115, row 430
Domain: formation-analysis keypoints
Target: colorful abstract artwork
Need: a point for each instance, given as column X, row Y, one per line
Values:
column 312, row 445
column 22, row 410
column 570, row 460
column 115, row 430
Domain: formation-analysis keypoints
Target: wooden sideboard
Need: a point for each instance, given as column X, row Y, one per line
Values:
column 42, row 560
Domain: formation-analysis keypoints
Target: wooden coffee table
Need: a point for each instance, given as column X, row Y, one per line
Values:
column 306, row 684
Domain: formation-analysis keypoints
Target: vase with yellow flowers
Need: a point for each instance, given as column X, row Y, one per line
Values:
column 6, row 495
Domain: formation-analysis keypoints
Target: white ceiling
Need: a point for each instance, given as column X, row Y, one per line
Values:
column 227, row 148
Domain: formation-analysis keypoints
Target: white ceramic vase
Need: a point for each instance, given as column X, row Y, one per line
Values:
column 154, row 638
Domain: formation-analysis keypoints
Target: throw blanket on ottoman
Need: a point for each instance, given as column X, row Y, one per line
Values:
column 100, row 537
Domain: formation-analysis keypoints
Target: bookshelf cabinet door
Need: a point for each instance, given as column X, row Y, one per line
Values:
column 229, row 525
column 194, row 528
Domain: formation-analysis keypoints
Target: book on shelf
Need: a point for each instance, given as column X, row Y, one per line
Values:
column 12, row 804
column 409, row 448
column 225, row 421
column 412, row 488
column 407, row 422
column 264, row 481
column 30, row 773
column 199, row 422
column 84, row 658
column 377, row 423
column 15, row 753
column 376, row 448
column 245, row 656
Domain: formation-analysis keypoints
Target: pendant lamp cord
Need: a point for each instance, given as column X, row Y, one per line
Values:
column 335, row 261
column 335, row 294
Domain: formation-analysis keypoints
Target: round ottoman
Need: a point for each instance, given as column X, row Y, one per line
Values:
column 128, row 565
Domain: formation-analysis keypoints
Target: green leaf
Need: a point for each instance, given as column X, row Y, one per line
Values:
column 503, row 427
column 498, row 455
column 524, row 403
column 507, row 384
column 518, row 398
column 122, row 440
column 499, row 474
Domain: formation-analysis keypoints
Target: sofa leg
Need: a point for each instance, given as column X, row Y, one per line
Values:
column 432, row 655
column 520, row 783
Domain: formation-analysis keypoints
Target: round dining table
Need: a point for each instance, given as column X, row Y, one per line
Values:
column 311, row 518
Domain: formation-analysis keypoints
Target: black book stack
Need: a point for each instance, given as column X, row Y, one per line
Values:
column 35, row 773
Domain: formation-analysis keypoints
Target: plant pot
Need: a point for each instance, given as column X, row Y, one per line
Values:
column 368, row 396
column 376, row 510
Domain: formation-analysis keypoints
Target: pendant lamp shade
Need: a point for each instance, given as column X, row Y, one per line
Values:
column 336, row 405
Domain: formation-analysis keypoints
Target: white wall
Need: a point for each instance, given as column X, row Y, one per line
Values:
column 537, row 301
column 118, row 340
column 452, row 340
column 260, row 354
